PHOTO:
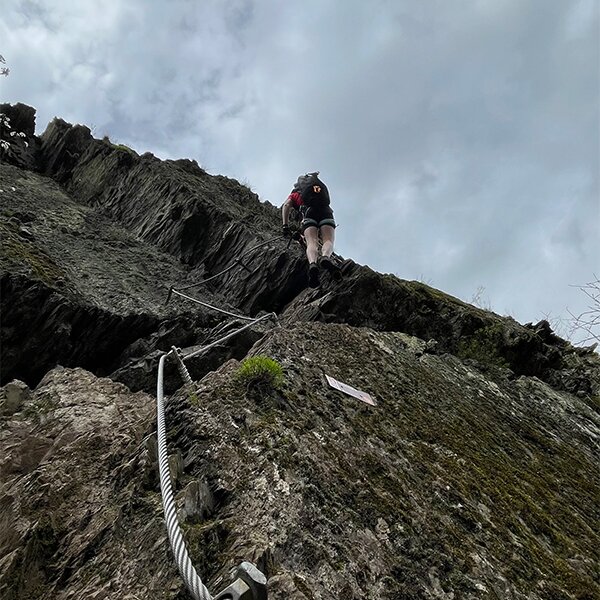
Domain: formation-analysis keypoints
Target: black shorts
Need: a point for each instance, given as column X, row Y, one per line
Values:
column 316, row 217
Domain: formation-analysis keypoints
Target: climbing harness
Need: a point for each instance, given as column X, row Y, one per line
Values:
column 250, row 583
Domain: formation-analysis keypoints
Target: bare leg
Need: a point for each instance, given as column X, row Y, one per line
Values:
column 311, row 235
column 328, row 237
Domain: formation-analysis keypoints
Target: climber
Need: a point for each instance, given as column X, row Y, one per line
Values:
column 310, row 196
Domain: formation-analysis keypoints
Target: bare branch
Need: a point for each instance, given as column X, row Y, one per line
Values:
column 588, row 321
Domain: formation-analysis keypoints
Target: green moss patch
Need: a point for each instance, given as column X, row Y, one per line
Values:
column 485, row 346
column 17, row 253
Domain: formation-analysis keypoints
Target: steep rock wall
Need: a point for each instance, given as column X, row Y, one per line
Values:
column 208, row 223
column 209, row 220
column 79, row 290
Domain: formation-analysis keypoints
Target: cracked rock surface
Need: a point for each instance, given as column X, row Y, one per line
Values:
column 455, row 485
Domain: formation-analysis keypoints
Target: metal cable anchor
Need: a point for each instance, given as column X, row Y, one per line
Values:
column 250, row 584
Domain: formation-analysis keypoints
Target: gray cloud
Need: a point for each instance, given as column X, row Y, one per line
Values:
column 460, row 140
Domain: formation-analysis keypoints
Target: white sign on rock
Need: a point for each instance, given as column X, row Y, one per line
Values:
column 348, row 389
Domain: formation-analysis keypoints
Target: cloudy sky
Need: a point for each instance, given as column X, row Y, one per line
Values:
column 459, row 138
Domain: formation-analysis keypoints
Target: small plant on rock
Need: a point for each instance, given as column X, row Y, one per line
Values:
column 260, row 375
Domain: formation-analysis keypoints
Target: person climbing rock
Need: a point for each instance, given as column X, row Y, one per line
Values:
column 310, row 196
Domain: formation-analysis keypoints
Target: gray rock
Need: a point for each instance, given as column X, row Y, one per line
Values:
column 26, row 233
column 198, row 501
column 13, row 397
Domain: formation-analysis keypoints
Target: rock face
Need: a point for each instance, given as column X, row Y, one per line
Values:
column 23, row 149
column 475, row 476
column 456, row 483
column 67, row 490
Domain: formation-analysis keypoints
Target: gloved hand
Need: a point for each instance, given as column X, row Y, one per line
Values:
column 286, row 231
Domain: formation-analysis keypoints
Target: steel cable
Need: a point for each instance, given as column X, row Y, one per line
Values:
column 184, row 564
column 185, row 374
column 205, row 304
column 230, row 335
column 187, row 287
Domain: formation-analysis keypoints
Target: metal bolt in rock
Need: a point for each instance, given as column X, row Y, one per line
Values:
column 250, row 584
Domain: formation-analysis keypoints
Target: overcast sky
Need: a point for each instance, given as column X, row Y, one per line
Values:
column 459, row 138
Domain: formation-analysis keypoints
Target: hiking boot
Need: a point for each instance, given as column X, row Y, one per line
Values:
column 330, row 266
column 313, row 275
